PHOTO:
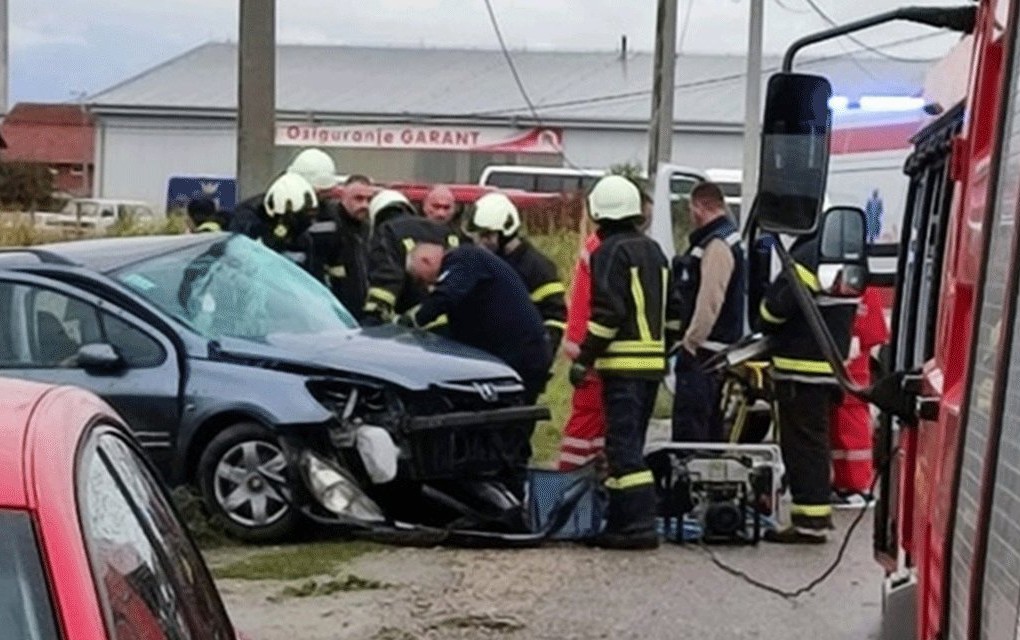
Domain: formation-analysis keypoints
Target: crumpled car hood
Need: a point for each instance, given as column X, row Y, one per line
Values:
column 412, row 359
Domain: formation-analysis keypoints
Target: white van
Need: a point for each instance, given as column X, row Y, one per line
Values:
column 540, row 179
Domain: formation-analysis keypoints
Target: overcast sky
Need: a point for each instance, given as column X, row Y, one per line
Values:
column 59, row 47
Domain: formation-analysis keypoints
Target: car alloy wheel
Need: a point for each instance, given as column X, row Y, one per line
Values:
column 250, row 483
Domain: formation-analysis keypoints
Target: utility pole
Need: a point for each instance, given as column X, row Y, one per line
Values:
column 660, row 132
column 256, row 96
column 752, row 107
column 4, row 31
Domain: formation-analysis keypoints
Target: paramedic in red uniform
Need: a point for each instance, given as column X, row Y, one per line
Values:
column 851, row 419
column 584, row 434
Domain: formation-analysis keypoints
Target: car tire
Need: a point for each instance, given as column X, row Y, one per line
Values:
column 244, row 481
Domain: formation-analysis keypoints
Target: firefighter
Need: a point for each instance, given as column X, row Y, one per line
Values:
column 852, row 469
column 496, row 223
column 281, row 221
column 440, row 205
column 203, row 216
column 340, row 237
column 488, row 306
column 625, row 345
column 396, row 228
column 709, row 285
column 805, row 392
column 584, row 435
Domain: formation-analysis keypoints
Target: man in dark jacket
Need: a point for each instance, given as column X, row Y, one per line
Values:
column 805, row 390
column 396, row 230
column 709, row 284
column 626, row 346
column 497, row 223
column 488, row 307
column 340, row 235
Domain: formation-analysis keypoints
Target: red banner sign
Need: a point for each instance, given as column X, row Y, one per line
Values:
column 439, row 138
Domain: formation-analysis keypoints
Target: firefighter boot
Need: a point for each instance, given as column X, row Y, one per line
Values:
column 803, row 530
column 630, row 521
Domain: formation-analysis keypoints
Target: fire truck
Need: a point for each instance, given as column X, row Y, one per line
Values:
column 947, row 450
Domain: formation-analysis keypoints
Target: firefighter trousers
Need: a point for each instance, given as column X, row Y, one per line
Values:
column 629, row 403
column 695, row 402
column 803, row 413
column 584, row 435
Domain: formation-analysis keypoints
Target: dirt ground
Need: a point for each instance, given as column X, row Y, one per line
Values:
column 565, row 591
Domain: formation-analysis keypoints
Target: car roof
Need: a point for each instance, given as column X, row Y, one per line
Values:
column 538, row 170
column 18, row 399
column 108, row 254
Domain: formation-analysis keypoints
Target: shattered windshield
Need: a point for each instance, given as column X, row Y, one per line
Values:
column 237, row 288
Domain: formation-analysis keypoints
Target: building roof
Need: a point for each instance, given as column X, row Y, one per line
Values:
column 460, row 85
column 48, row 133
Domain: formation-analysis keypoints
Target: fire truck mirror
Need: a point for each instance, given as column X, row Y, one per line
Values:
column 794, row 161
column 842, row 254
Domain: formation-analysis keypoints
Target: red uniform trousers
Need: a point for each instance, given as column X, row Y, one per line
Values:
column 851, row 423
column 584, row 435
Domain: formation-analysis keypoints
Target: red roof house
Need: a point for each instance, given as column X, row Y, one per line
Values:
column 60, row 136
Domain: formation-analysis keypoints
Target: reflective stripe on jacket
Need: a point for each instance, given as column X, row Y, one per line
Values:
column 630, row 286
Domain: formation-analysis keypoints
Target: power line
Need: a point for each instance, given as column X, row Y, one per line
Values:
column 864, row 45
column 687, row 24
column 517, row 76
column 630, row 95
column 783, row 5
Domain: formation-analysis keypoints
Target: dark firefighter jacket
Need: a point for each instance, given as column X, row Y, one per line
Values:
column 341, row 252
column 287, row 234
column 796, row 354
column 390, row 290
column 729, row 325
column 630, row 287
column 544, row 285
column 489, row 308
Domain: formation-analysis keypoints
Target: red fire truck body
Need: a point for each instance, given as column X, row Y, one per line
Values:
column 947, row 524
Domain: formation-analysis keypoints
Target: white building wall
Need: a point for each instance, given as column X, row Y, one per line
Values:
column 593, row 148
column 137, row 157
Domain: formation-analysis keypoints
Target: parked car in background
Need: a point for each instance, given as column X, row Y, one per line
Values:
column 98, row 214
column 91, row 547
column 233, row 365
column 540, row 179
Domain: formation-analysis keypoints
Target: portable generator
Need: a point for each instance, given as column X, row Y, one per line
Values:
column 729, row 490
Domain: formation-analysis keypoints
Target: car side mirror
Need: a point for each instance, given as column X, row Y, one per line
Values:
column 842, row 253
column 794, row 161
column 98, row 356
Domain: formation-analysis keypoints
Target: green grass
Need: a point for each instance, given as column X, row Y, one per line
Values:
column 16, row 230
column 295, row 563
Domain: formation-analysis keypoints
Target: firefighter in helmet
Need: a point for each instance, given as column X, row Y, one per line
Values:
column 340, row 238
column 282, row 219
column 496, row 224
column 396, row 228
column 625, row 344
column 806, row 390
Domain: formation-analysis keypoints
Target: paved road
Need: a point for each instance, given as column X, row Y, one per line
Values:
column 566, row 591
column 563, row 592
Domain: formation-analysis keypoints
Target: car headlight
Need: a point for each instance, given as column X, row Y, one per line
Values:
column 337, row 491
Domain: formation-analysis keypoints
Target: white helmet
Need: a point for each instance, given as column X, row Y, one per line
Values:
column 496, row 212
column 315, row 166
column 614, row 198
column 290, row 193
column 384, row 199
